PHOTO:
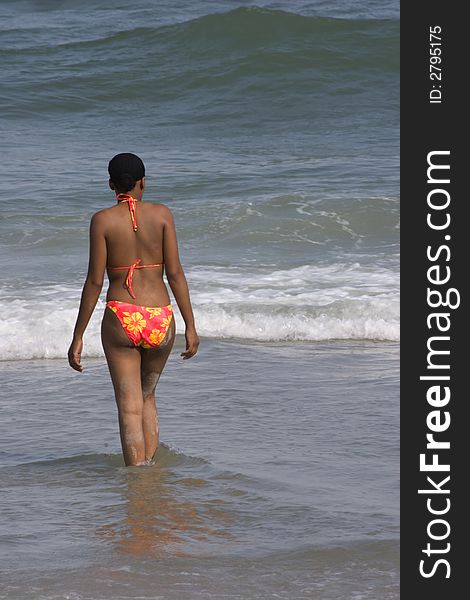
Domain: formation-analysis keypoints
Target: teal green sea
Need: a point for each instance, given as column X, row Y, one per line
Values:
column 271, row 131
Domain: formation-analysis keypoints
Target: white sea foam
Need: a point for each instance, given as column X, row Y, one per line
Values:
column 341, row 301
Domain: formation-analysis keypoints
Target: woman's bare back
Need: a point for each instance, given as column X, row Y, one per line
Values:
column 124, row 246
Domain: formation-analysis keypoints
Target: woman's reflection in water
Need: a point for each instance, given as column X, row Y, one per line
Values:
column 160, row 519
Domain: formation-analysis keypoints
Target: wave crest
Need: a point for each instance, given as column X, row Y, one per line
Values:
column 306, row 303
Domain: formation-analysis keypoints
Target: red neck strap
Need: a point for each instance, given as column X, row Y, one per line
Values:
column 128, row 198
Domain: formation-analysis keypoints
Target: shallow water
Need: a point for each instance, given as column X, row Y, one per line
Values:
column 285, row 483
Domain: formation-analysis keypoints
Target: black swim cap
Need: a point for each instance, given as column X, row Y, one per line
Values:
column 125, row 169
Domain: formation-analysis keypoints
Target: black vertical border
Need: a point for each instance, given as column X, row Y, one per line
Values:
column 427, row 127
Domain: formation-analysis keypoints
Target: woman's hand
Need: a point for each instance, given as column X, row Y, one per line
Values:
column 192, row 343
column 75, row 354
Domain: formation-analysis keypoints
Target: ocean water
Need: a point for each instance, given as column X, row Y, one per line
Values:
column 277, row 477
column 271, row 131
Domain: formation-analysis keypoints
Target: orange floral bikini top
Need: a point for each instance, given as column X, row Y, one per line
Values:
column 131, row 203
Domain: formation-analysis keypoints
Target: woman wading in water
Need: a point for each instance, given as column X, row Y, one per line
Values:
column 134, row 241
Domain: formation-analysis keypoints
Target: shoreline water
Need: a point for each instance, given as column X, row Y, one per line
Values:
column 277, row 474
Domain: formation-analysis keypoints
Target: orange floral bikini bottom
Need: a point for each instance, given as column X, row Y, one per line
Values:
column 145, row 326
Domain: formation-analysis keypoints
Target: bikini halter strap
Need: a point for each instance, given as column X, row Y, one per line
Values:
column 131, row 203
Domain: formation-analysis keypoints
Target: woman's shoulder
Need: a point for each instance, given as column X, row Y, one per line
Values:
column 100, row 218
column 162, row 210
column 101, row 214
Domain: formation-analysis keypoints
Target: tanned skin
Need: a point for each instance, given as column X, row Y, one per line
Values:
column 135, row 371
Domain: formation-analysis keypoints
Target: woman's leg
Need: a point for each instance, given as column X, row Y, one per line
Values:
column 153, row 362
column 124, row 362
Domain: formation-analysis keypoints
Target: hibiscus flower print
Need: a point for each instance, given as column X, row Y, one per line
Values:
column 156, row 337
column 154, row 312
column 134, row 321
column 165, row 323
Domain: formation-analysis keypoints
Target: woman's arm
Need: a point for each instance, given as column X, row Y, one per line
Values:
column 91, row 289
column 178, row 284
